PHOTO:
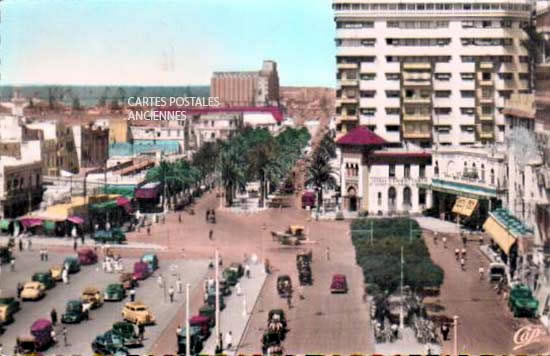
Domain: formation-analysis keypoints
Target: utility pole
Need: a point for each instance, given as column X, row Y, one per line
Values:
column 401, row 315
column 455, row 345
column 217, row 298
column 187, row 326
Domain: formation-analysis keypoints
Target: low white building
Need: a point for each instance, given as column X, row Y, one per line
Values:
column 216, row 126
column 261, row 120
column 155, row 133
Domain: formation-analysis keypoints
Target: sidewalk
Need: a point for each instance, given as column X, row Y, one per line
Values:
column 68, row 241
column 437, row 225
column 233, row 318
column 406, row 343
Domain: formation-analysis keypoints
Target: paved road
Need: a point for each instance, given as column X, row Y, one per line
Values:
column 81, row 335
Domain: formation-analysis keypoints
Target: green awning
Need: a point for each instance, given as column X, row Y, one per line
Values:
column 126, row 190
column 48, row 226
column 104, row 207
column 5, row 225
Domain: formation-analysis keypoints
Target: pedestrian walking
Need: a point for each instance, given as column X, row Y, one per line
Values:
column 444, row 331
column 141, row 329
column 74, row 245
column 149, row 230
column 464, row 239
column 219, row 348
column 41, row 255
column 247, row 270
column 82, row 238
column 457, row 253
column 20, row 245
column 171, row 294
column 179, row 218
column 207, row 215
column 301, row 292
column 229, row 340
column 19, row 289
column 45, row 254
column 29, row 244
column 238, row 289
column 179, row 285
column 436, row 235
column 133, row 294
column 480, row 239
column 481, row 273
column 53, row 336
column 444, row 239
column 463, row 253
column 395, row 330
column 65, row 276
column 53, row 316
column 163, row 219
column 12, row 264
column 289, row 300
column 211, row 234
column 462, row 263
column 179, row 331
column 327, row 250
column 65, row 337
column 160, row 281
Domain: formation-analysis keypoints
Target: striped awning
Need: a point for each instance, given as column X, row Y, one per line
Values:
column 499, row 234
column 465, row 206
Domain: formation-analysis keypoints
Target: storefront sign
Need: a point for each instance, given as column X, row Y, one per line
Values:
column 383, row 181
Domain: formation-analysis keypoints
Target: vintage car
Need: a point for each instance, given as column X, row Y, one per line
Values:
column 56, row 272
column 93, row 296
column 87, row 256
column 44, row 278
column 211, row 300
column 72, row 264
column 127, row 332
column 210, row 287
column 137, row 313
column 128, row 280
column 339, row 284
column 112, row 236
column 305, row 276
column 26, row 345
column 152, row 261
column 196, row 341
column 270, row 339
column 230, row 276
column 5, row 255
column 276, row 322
column 141, row 271
column 304, row 258
column 109, row 344
column 496, row 271
column 298, row 231
column 521, row 302
column 208, row 311
column 8, row 307
column 41, row 330
column 284, row 286
column 203, row 323
column 33, row 291
column 74, row 313
column 114, row 292
column 308, row 200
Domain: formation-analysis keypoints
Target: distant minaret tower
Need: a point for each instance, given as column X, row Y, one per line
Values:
column 18, row 103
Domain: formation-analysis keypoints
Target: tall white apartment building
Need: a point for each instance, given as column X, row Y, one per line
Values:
column 429, row 71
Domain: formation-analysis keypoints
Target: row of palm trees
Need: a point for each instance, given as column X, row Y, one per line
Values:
column 250, row 155
column 320, row 173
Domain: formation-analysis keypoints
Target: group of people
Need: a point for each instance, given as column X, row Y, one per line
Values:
column 460, row 256
column 112, row 264
column 211, row 214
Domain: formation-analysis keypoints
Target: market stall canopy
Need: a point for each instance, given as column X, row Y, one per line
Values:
column 104, row 207
column 126, row 190
column 465, row 206
column 76, row 219
column 125, row 203
column 506, row 229
column 148, row 191
column 30, row 221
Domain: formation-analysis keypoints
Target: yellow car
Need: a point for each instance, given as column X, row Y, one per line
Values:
column 137, row 313
column 93, row 296
column 56, row 272
column 33, row 291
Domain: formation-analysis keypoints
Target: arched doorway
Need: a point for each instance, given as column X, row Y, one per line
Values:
column 407, row 198
column 392, row 198
column 352, row 195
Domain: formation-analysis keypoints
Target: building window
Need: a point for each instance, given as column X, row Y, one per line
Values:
column 392, row 170
column 482, row 172
column 467, row 93
column 492, row 176
column 392, row 197
column 436, row 169
column 421, row 196
column 379, row 198
column 422, row 171
column 407, row 171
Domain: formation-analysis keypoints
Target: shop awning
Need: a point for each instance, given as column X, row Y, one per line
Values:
column 499, row 234
column 465, row 206
column 125, row 203
column 121, row 189
column 148, row 191
column 75, row 220
column 104, row 207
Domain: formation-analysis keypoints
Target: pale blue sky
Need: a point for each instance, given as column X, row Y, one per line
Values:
column 162, row 42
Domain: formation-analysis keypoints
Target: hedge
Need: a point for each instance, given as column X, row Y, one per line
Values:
column 381, row 258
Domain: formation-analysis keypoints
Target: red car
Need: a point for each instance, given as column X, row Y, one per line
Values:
column 339, row 284
column 141, row 271
column 87, row 256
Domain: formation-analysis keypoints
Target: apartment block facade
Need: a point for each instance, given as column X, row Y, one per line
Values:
column 429, row 72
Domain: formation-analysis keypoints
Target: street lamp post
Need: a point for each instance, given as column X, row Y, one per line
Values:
column 455, row 345
column 187, row 326
column 217, row 298
column 401, row 312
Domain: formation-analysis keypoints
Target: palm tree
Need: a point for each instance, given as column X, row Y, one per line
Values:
column 327, row 147
column 232, row 173
column 261, row 163
column 319, row 174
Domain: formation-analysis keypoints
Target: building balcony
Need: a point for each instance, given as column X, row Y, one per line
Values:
column 486, row 118
column 486, row 65
column 417, row 135
column 483, row 100
column 348, row 82
column 486, row 83
column 417, row 83
column 417, row 66
column 347, row 65
column 470, row 186
column 341, row 101
column 416, row 117
column 347, row 118
column 417, row 100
